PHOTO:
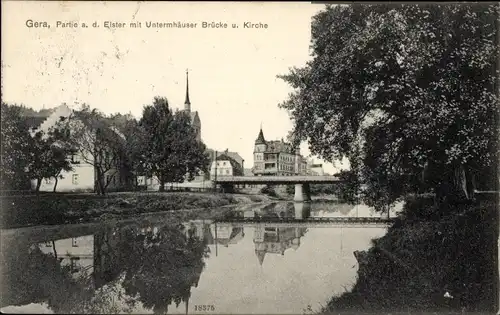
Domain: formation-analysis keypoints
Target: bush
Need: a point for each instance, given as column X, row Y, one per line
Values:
column 268, row 190
column 417, row 261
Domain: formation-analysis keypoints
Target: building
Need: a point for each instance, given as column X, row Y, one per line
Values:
column 234, row 156
column 83, row 176
column 76, row 253
column 275, row 240
column 317, row 169
column 275, row 157
column 225, row 165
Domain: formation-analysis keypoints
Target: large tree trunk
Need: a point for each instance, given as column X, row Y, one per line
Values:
column 102, row 186
column 54, row 249
column 55, row 184
column 100, row 189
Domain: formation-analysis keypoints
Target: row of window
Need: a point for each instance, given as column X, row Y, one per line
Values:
column 268, row 157
column 284, row 167
column 223, row 172
column 285, row 158
column 74, row 180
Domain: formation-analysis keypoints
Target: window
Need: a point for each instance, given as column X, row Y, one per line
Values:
column 224, row 163
column 48, row 181
column 75, row 158
column 74, row 242
column 74, row 264
column 227, row 172
column 74, row 179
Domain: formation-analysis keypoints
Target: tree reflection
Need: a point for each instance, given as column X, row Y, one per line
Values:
column 160, row 264
column 30, row 276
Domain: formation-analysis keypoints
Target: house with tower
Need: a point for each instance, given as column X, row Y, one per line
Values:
column 276, row 158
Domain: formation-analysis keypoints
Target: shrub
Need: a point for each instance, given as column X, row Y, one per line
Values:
column 268, row 190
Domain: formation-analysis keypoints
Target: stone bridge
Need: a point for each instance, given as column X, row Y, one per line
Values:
column 302, row 190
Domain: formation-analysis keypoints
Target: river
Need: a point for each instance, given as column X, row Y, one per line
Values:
column 273, row 259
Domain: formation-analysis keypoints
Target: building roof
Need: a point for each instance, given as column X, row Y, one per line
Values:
column 260, row 138
column 34, row 122
column 277, row 146
column 233, row 155
column 261, row 254
column 34, row 119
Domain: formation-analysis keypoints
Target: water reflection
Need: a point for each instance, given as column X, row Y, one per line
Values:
column 261, row 266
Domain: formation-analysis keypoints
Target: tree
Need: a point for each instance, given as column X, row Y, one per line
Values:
column 170, row 149
column 402, row 91
column 15, row 145
column 99, row 143
column 49, row 154
column 133, row 162
column 193, row 152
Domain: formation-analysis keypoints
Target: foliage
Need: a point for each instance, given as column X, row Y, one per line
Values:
column 401, row 90
column 99, row 143
column 269, row 190
column 15, row 146
column 28, row 156
column 133, row 150
column 350, row 188
column 412, row 267
column 170, row 150
column 33, row 277
column 174, row 264
column 48, row 154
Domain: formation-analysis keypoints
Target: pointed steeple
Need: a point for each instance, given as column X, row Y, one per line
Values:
column 187, row 103
column 260, row 255
column 260, row 138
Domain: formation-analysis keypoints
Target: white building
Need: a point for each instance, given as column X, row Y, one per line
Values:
column 83, row 175
column 77, row 253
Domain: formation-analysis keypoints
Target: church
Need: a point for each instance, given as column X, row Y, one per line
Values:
column 195, row 118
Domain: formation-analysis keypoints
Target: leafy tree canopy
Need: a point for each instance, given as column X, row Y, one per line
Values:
column 399, row 89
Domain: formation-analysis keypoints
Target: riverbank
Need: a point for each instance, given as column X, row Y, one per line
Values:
column 53, row 209
column 437, row 260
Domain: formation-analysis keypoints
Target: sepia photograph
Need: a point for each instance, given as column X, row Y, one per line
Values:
column 249, row 157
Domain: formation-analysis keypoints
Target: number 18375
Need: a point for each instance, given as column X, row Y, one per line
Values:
column 204, row 308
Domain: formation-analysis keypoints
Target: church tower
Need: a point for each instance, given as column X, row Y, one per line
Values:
column 187, row 102
column 195, row 118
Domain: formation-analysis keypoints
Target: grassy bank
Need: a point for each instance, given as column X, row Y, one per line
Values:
column 426, row 254
column 18, row 211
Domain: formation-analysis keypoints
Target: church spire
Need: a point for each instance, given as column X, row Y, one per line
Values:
column 260, row 138
column 187, row 103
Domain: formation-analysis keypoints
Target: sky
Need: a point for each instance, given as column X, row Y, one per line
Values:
column 232, row 72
